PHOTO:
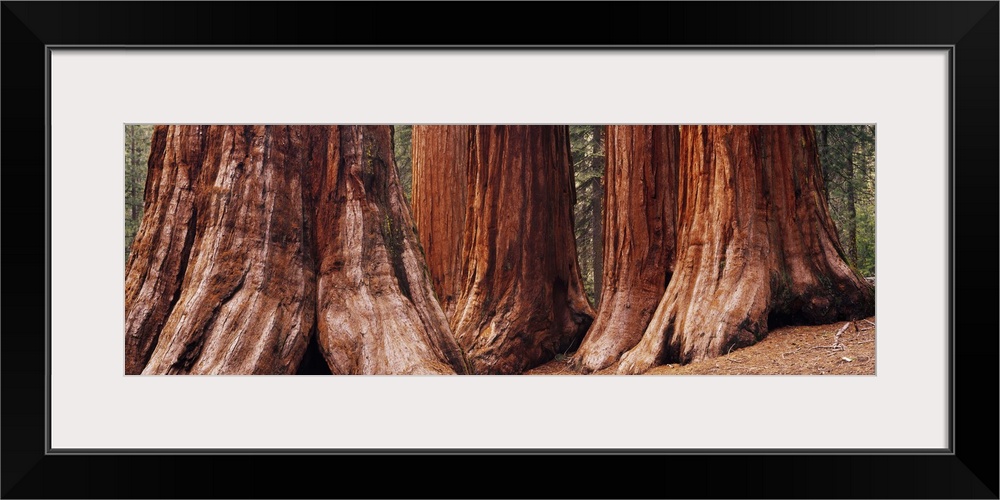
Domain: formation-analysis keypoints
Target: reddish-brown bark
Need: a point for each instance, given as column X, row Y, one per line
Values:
column 240, row 216
column 522, row 301
column 255, row 238
column 245, row 304
column 440, row 161
column 377, row 311
column 756, row 246
column 639, row 204
column 163, row 242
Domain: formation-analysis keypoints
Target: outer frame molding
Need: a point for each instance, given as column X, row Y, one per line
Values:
column 968, row 470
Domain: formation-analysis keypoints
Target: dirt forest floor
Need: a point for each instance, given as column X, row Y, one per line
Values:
column 791, row 350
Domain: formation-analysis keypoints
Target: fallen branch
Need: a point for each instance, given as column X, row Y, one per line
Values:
column 870, row 322
column 837, row 345
column 836, row 338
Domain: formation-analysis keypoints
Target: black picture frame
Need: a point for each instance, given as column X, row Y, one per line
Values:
column 968, row 470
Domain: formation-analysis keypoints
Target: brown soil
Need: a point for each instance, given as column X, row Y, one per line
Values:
column 792, row 350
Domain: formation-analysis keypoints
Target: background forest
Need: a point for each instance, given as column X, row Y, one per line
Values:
column 847, row 157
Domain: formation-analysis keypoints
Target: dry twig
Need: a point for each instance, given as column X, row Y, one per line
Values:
column 837, row 345
column 789, row 352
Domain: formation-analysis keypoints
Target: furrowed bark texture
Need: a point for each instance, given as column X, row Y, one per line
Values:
column 163, row 242
column 246, row 302
column 377, row 312
column 756, row 245
column 522, row 300
column 640, row 203
column 811, row 280
column 440, row 161
column 243, row 210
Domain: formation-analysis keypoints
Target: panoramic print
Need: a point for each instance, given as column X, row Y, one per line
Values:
column 499, row 249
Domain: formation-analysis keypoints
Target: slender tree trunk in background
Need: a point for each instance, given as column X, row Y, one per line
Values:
column 377, row 311
column 134, row 208
column 522, row 300
column 440, row 160
column 852, row 213
column 825, row 151
column 641, row 185
column 597, row 245
column 757, row 247
column 223, row 275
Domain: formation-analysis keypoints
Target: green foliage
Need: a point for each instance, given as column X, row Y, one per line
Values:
column 866, row 241
column 402, row 143
column 137, row 145
column 847, row 156
column 587, row 149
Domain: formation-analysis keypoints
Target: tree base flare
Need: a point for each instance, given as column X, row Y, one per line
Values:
column 260, row 241
column 756, row 245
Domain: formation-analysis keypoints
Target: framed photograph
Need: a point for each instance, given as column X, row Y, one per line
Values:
column 919, row 78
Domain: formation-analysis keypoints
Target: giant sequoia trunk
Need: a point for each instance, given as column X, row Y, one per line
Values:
column 440, row 160
column 522, row 300
column 244, row 304
column 162, row 245
column 253, row 241
column 639, row 204
column 377, row 312
column 756, row 246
